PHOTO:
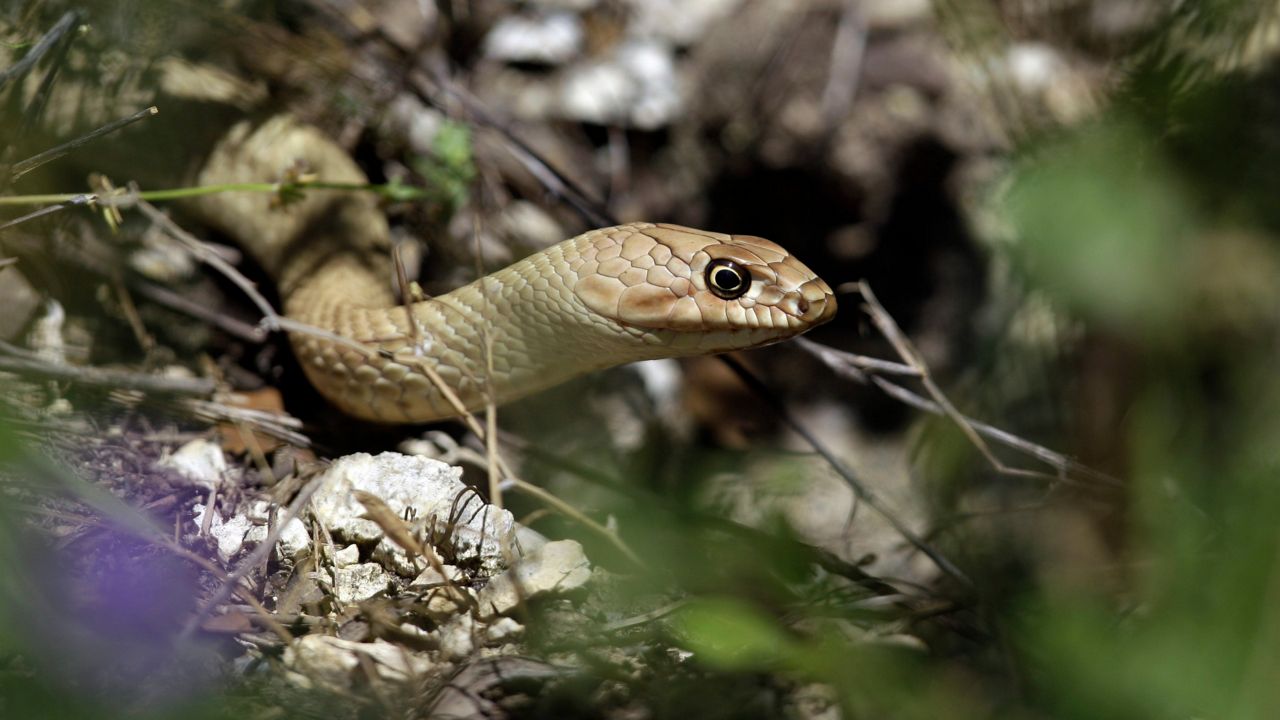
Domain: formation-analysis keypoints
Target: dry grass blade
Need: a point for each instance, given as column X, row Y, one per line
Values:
column 38, row 51
column 888, row 327
column 862, row 369
column 271, row 424
column 23, row 167
column 179, row 303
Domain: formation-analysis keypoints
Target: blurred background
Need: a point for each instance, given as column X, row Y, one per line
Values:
column 1068, row 206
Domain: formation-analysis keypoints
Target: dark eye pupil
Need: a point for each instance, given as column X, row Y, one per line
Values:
column 727, row 279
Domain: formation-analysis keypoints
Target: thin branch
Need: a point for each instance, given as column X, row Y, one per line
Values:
column 206, row 255
column 859, row 489
column 279, row 426
column 888, row 327
column 866, row 370
column 115, row 379
column 180, row 303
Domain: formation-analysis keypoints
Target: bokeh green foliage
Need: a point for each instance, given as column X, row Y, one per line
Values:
column 1158, row 232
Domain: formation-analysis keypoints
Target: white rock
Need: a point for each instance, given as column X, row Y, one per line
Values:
column 45, row 336
column 335, row 662
column 637, row 86
column 528, row 539
column 429, row 491
column 558, row 566
column 394, row 558
column 446, row 602
column 1034, row 66
column 502, row 631
column 895, row 13
column 329, row 660
column 294, row 540
column 415, row 121
column 528, row 225
column 653, row 65
column 432, row 578
column 457, row 637
column 199, row 461
column 354, row 583
column 681, row 22
column 600, row 93
column 552, row 39
column 162, row 260
column 349, row 555
column 577, row 5
column 228, row 534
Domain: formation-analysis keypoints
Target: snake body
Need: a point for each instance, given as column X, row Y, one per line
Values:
column 606, row 297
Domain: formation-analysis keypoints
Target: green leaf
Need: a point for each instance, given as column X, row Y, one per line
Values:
column 732, row 635
column 1104, row 227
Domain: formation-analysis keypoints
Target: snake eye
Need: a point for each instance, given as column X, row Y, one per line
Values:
column 727, row 279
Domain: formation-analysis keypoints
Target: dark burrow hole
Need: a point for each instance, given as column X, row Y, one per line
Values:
column 918, row 257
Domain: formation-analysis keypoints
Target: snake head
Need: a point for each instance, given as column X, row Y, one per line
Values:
column 704, row 291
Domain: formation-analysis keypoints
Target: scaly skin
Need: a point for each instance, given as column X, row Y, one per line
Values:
column 604, row 298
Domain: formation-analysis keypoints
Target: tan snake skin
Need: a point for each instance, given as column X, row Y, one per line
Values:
column 606, row 297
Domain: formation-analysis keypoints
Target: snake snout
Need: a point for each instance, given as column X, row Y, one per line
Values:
column 810, row 305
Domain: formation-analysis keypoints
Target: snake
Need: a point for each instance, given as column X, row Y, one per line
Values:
column 606, row 297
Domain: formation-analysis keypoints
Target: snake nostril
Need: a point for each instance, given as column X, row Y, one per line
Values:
column 802, row 307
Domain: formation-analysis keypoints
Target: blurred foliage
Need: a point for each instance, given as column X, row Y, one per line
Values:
column 450, row 169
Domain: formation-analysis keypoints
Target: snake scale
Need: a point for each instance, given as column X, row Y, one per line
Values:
column 606, row 297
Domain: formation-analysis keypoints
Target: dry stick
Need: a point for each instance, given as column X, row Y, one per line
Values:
column 201, row 252
column 469, row 419
column 823, row 558
column 175, row 301
column 397, row 530
column 906, row 350
column 99, row 377
column 644, row 618
column 860, row 490
column 23, row 167
column 490, row 405
column 281, row 427
column 146, row 342
column 865, row 370
column 174, row 547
